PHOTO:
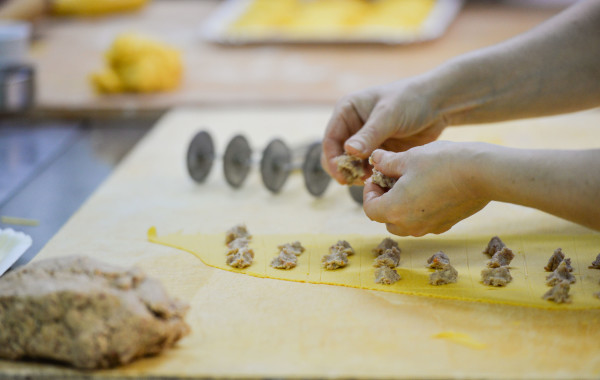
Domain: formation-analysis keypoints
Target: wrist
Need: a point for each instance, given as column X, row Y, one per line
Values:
column 473, row 170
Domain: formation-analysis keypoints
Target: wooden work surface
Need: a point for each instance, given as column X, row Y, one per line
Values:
column 244, row 326
column 69, row 49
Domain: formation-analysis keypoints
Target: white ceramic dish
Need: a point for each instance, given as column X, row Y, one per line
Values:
column 217, row 28
column 13, row 245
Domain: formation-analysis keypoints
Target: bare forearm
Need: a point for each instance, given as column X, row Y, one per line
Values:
column 564, row 183
column 554, row 68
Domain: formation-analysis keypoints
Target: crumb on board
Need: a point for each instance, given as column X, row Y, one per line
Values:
column 386, row 275
column 351, row 167
column 561, row 273
column 385, row 244
column 382, row 180
column 496, row 276
column 445, row 275
column 596, row 263
column 559, row 293
column 236, row 232
column 390, row 258
column 501, row 258
column 438, row 260
column 494, row 246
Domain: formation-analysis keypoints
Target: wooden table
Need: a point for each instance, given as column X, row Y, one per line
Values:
column 69, row 49
column 261, row 328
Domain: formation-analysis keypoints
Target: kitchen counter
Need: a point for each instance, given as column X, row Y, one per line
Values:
column 69, row 49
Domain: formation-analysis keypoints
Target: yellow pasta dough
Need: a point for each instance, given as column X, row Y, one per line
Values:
column 527, row 268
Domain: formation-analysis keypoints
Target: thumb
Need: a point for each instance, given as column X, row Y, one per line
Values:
column 389, row 163
column 369, row 137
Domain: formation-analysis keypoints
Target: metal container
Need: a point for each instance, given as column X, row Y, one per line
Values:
column 16, row 88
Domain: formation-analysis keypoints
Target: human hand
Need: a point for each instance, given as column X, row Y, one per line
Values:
column 395, row 117
column 435, row 190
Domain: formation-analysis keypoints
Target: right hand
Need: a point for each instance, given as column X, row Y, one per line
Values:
column 394, row 117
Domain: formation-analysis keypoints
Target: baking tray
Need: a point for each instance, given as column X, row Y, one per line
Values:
column 218, row 28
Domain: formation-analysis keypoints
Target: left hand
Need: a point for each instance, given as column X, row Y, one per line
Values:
column 433, row 191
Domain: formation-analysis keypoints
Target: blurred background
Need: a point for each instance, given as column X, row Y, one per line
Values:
column 81, row 81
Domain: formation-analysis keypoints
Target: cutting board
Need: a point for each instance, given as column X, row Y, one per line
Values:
column 244, row 326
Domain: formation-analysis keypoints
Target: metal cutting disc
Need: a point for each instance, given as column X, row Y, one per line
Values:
column 237, row 161
column 200, row 156
column 316, row 178
column 357, row 193
column 275, row 165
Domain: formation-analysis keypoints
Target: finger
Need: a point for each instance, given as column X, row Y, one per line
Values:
column 374, row 132
column 396, row 230
column 375, row 202
column 342, row 124
column 389, row 163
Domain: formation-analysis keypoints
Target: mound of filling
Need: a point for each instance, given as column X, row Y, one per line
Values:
column 561, row 273
column 445, row 274
column 499, row 276
column 438, row 260
column 385, row 244
column 288, row 255
column 338, row 255
column 559, row 293
column 351, row 167
column 557, row 257
column 388, row 258
column 494, row 245
column 239, row 254
column 501, row 258
column 386, row 275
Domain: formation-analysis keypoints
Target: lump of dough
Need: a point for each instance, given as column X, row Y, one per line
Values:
column 445, row 275
column 438, row 260
column 382, row 180
column 85, row 313
column 390, row 258
column 494, row 246
column 285, row 260
column 557, row 257
column 386, row 275
column 240, row 258
column 295, row 248
column 385, row 244
column 501, row 258
column 559, row 293
column 496, row 276
column 596, row 263
column 561, row 273
column 351, row 167
column 236, row 232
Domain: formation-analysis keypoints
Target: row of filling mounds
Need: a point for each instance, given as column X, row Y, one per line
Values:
column 387, row 258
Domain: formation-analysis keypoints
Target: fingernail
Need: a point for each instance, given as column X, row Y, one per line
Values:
column 357, row 145
column 375, row 157
column 370, row 195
